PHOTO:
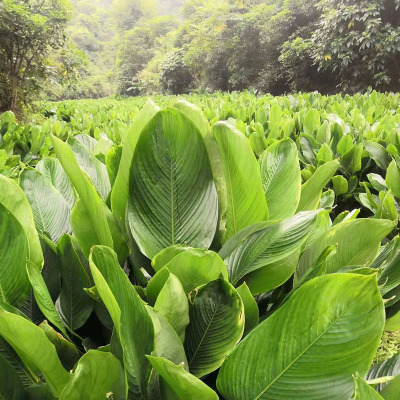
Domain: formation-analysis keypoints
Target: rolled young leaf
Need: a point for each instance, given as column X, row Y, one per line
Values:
column 172, row 196
column 307, row 354
column 246, row 202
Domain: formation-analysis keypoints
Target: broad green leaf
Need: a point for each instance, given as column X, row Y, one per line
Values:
column 74, row 305
column 11, row 387
column 351, row 160
column 246, row 202
column 36, row 351
column 43, row 297
column 171, row 165
column 281, row 178
column 352, row 249
column 166, row 255
column 214, row 155
column 311, row 190
column 193, row 267
column 363, row 391
column 93, row 377
column 120, row 191
column 393, row 322
column 172, row 304
column 51, row 169
column 14, row 282
column 183, row 384
column 340, row 185
column 67, row 352
column 272, row 275
column 94, row 168
column 14, row 200
column 50, row 210
column 393, row 178
column 216, row 325
column 250, row 308
column 86, row 235
column 270, row 242
column 131, row 319
column 93, row 203
column 311, row 122
column 301, row 351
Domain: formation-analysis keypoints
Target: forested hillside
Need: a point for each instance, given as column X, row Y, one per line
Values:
column 141, row 47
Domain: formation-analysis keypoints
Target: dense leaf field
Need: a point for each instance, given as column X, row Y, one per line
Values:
column 226, row 246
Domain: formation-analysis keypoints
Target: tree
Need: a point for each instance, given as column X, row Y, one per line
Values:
column 29, row 31
column 358, row 42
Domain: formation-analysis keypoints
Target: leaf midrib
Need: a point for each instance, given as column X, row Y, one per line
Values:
column 301, row 354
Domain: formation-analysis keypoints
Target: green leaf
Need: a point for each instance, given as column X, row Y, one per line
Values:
column 171, row 165
column 14, row 200
column 281, row 178
column 167, row 343
column 267, row 243
column 311, row 122
column 250, row 308
column 216, row 325
column 193, row 267
column 11, row 387
column 389, row 367
column 67, row 352
column 86, row 234
column 94, row 168
column 51, row 169
column 131, row 320
column 74, row 305
column 246, row 202
column 14, row 282
column 184, row 385
column 311, row 190
column 93, row 377
column 120, row 191
column 393, row 178
column 363, row 391
column 36, row 351
column 42, row 296
column 172, row 304
column 340, row 185
column 93, row 203
column 305, row 355
column 352, row 249
column 50, row 210
column 392, row 389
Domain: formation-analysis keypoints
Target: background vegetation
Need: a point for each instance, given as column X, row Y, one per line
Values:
column 82, row 49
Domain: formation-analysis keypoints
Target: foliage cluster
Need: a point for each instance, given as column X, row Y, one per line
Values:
column 246, row 251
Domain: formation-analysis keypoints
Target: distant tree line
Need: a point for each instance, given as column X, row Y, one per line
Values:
column 81, row 48
column 272, row 46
